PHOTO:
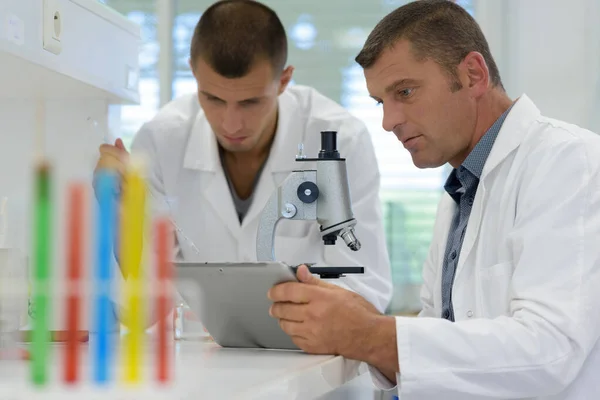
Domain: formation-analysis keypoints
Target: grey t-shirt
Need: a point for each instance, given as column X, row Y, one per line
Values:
column 241, row 205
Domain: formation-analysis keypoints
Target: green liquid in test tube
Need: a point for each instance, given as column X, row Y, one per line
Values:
column 41, row 278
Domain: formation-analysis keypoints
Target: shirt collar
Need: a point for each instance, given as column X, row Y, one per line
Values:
column 453, row 186
column 478, row 156
column 476, row 159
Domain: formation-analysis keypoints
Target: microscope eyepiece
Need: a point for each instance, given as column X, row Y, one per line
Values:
column 329, row 145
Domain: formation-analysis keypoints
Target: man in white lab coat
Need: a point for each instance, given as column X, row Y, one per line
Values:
column 511, row 299
column 216, row 156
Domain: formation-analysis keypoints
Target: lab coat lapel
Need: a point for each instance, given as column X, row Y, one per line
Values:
column 204, row 176
column 281, row 161
column 509, row 138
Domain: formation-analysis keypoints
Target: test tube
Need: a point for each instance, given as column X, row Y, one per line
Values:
column 132, row 233
column 164, row 237
column 105, row 225
column 75, row 236
column 42, row 275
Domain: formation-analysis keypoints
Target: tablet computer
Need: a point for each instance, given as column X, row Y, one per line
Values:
column 231, row 301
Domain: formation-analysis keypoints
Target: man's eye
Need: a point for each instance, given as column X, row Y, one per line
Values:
column 405, row 92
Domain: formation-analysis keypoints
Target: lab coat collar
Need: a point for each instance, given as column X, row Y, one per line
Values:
column 522, row 114
column 202, row 148
column 202, row 152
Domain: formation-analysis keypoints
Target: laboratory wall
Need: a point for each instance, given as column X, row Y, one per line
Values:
column 547, row 49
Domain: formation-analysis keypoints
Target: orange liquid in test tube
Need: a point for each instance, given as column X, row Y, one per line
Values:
column 164, row 274
column 74, row 272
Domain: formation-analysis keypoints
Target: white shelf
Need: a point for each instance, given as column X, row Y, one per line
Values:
column 98, row 58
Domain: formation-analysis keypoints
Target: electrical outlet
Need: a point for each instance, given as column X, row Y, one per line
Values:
column 52, row 21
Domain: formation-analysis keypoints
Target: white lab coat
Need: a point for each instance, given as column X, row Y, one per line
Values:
column 526, row 292
column 185, row 170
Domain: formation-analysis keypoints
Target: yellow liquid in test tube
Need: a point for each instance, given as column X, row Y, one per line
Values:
column 132, row 234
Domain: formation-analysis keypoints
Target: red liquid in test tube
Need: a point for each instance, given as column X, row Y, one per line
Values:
column 164, row 236
column 74, row 272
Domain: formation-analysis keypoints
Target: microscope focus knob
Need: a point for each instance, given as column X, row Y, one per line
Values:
column 308, row 192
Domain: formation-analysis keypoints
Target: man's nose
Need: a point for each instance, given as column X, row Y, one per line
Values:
column 232, row 120
column 393, row 116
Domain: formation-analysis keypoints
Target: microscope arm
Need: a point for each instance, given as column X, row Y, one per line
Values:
column 286, row 203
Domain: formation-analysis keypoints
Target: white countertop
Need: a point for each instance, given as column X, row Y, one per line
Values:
column 203, row 371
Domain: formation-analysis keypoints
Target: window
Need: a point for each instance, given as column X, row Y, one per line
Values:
column 324, row 38
column 183, row 29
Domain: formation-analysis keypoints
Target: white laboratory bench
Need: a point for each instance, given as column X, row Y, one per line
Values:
column 203, row 371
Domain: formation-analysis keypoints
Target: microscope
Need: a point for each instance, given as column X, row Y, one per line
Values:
column 307, row 194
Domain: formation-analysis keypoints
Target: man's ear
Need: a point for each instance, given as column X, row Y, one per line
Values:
column 286, row 77
column 478, row 74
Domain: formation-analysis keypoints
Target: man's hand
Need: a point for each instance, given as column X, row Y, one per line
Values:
column 325, row 319
column 113, row 158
